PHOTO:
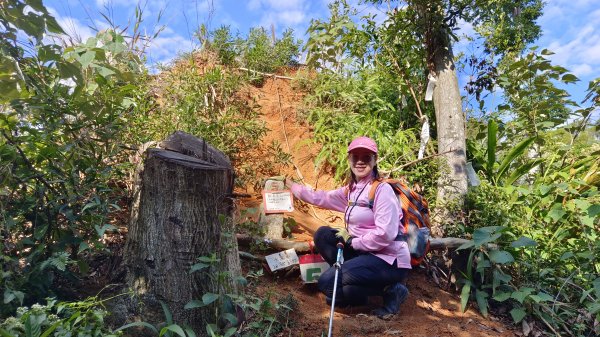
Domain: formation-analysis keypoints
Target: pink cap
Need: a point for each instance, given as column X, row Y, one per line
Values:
column 363, row 143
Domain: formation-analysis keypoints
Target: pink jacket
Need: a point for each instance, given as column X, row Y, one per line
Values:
column 373, row 230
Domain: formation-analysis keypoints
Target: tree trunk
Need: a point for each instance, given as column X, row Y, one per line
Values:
column 181, row 211
column 450, row 122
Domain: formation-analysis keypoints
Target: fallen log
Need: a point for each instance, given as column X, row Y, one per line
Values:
column 303, row 247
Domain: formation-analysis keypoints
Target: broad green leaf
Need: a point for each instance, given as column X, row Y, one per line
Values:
column 208, row 298
column 208, row 259
column 501, row 276
column 211, row 328
column 582, row 204
column 53, row 26
column 101, row 230
column 544, row 189
column 194, row 304
column 569, row 78
column 230, row 332
column 546, row 52
column 105, row 72
column 522, row 170
column 51, row 329
column 174, row 328
column 501, row 256
column 5, row 333
column 33, row 326
column 8, row 296
column 513, row 154
column 502, row 296
column 464, row 296
column 593, row 210
column 482, row 303
column 198, row 266
column 138, row 324
column 523, row 241
column 87, row 58
column 518, row 314
column 521, row 294
column 189, row 331
column 48, row 53
column 587, row 220
column 556, row 213
column 40, row 231
column 485, row 235
column 83, row 246
column 593, row 308
column 466, row 245
column 36, row 5
column 542, row 297
column 167, row 312
column 231, row 318
column 68, row 70
column 567, row 255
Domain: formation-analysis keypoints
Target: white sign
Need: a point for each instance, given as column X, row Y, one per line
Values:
column 282, row 259
column 278, row 201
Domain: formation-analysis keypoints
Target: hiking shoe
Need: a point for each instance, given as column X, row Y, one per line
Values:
column 393, row 296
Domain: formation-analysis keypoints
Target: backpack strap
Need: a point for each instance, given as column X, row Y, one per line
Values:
column 372, row 191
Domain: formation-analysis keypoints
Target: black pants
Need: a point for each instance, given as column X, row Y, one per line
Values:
column 362, row 274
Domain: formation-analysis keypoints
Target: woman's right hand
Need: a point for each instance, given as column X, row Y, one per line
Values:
column 288, row 183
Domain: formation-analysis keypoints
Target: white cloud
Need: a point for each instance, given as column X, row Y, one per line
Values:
column 167, row 46
column 282, row 14
column 277, row 5
column 584, row 48
column 582, row 69
column 116, row 3
column 74, row 28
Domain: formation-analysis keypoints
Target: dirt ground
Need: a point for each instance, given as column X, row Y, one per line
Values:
column 429, row 310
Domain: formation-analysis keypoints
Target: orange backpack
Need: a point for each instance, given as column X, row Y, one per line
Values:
column 415, row 220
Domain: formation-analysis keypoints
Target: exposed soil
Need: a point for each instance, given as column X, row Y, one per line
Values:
column 429, row 310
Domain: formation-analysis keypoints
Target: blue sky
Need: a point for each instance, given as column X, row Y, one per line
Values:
column 570, row 27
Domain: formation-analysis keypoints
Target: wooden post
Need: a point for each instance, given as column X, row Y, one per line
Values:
column 182, row 210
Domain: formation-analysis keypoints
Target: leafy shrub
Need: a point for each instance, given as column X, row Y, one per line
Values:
column 550, row 231
column 85, row 318
column 64, row 109
column 261, row 53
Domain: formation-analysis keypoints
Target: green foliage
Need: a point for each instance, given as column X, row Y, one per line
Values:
column 551, row 231
column 261, row 53
column 258, row 51
column 509, row 26
column 532, row 97
column 84, row 318
column 60, row 128
column 263, row 317
column 511, row 167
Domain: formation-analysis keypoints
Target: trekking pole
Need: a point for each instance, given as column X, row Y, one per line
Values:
column 337, row 265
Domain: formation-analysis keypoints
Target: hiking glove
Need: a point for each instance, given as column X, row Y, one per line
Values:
column 344, row 236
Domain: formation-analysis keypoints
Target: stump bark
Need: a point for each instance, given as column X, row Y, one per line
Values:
column 182, row 210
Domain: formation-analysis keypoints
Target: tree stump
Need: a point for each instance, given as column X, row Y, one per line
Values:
column 182, row 210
